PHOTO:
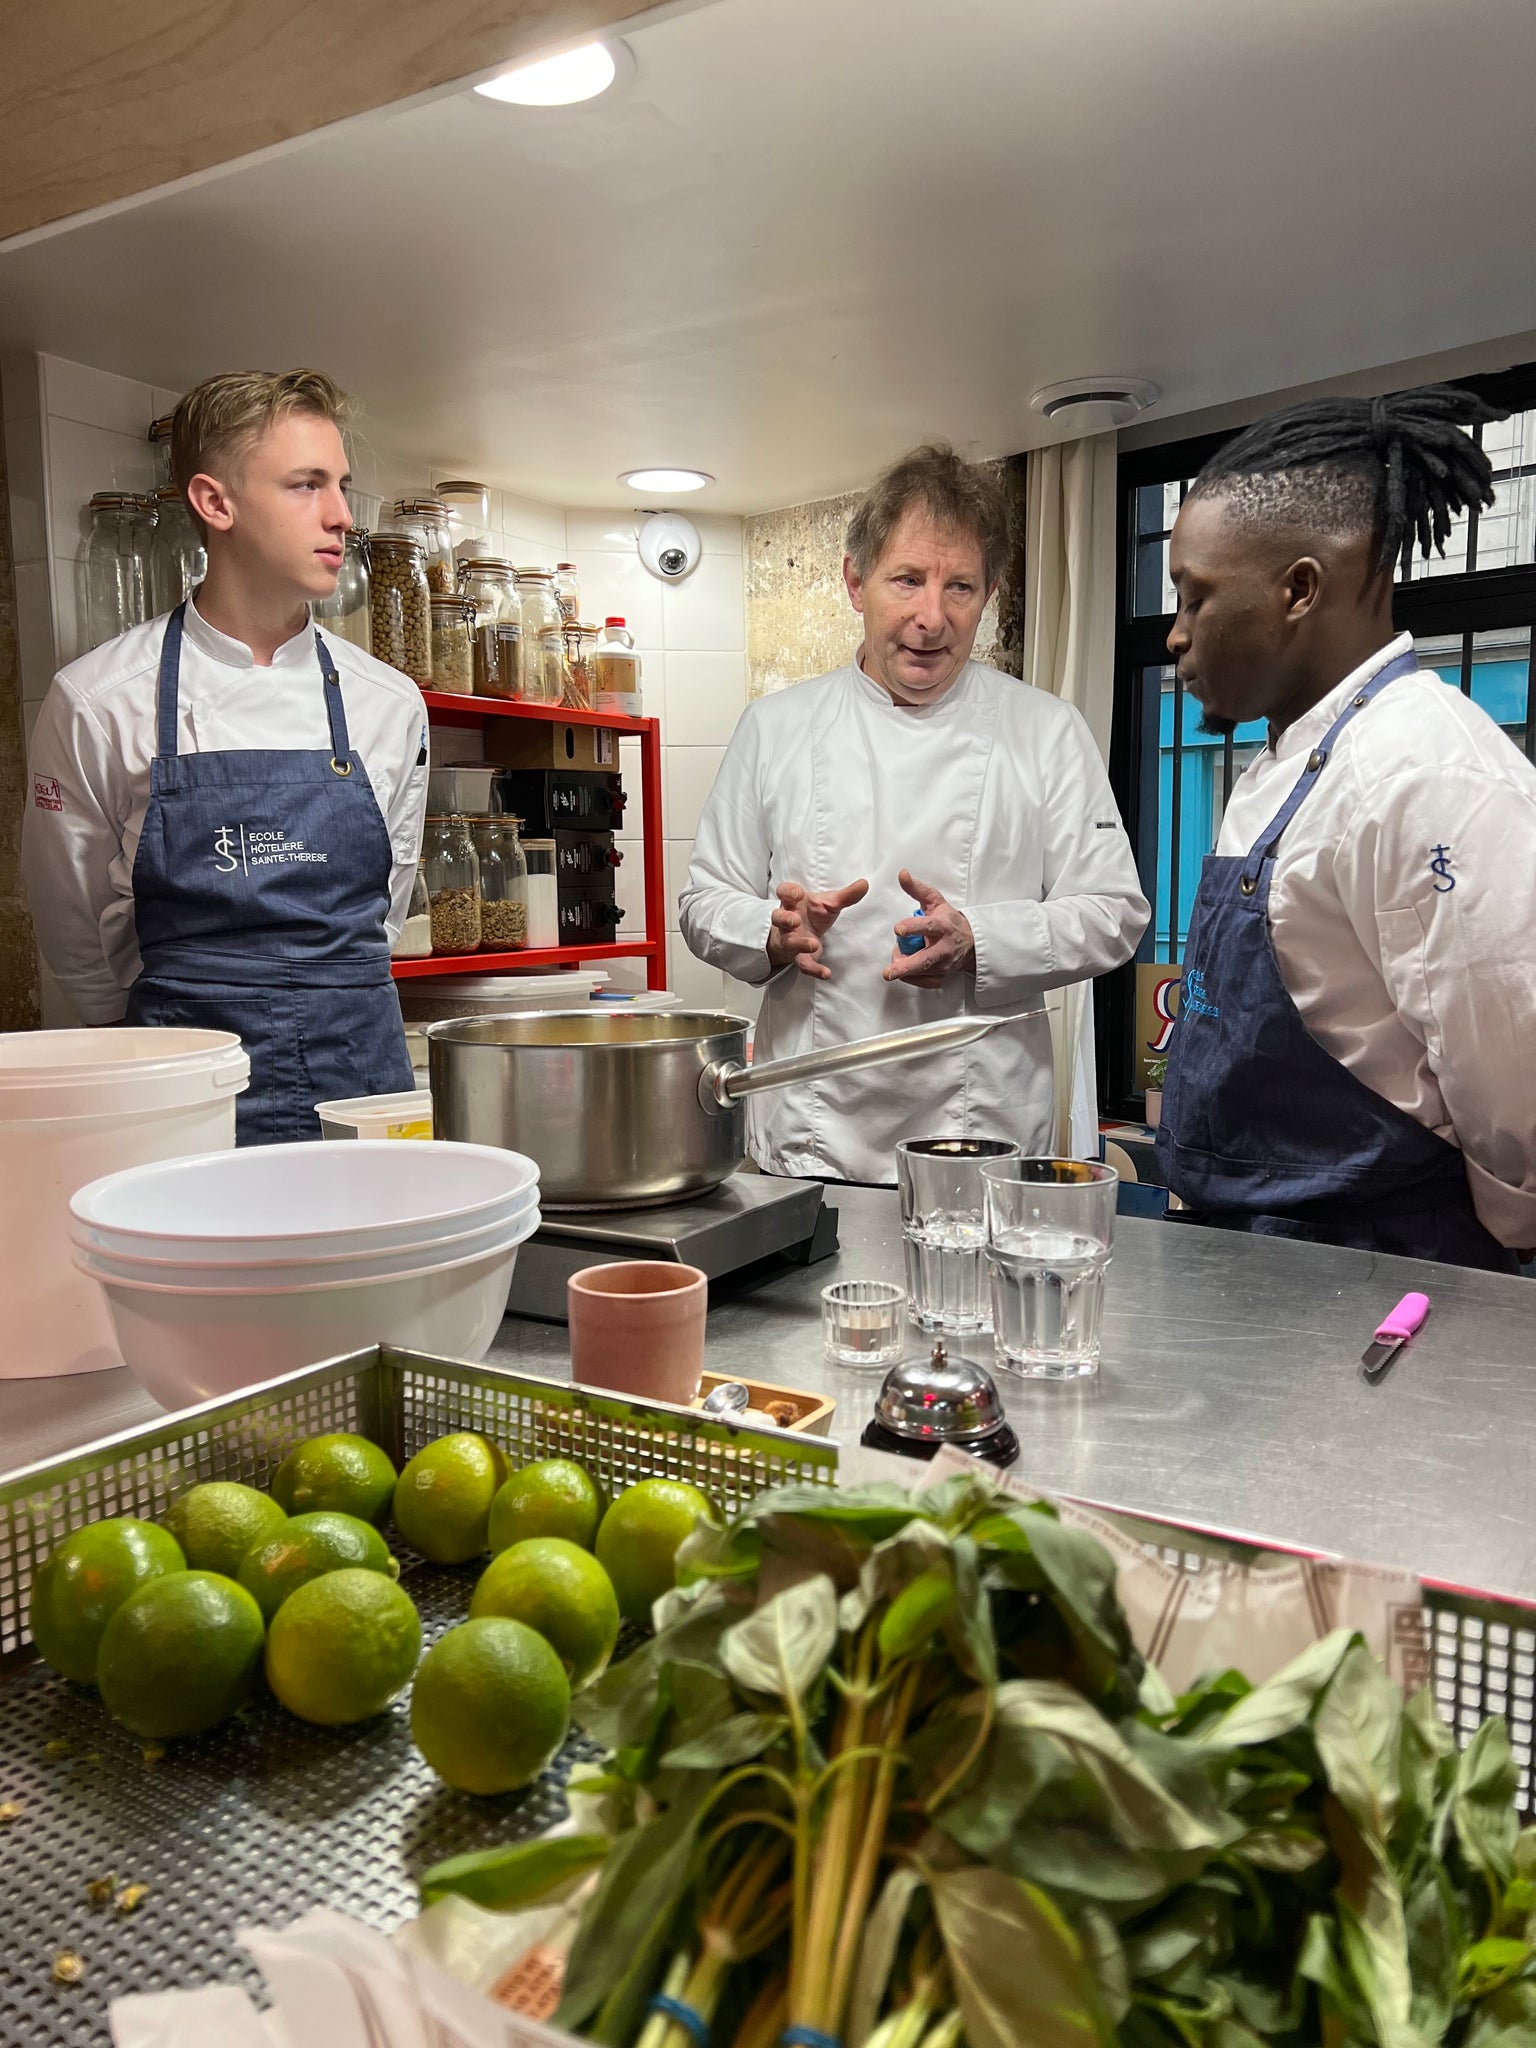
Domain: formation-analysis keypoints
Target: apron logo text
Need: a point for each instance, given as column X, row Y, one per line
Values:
column 246, row 847
column 1195, row 998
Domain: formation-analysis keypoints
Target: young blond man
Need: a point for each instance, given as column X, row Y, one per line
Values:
column 227, row 802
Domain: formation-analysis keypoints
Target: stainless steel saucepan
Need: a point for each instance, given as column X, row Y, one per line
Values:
column 621, row 1109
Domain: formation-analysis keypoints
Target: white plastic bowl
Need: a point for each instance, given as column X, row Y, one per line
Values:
column 159, row 1258
column 291, row 1201
column 185, row 1344
column 318, row 1270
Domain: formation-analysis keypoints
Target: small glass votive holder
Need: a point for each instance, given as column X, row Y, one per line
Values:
column 863, row 1322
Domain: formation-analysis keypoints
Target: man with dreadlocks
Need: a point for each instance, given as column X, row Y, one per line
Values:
column 1352, row 1061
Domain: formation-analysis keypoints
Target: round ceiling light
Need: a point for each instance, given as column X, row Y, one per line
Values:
column 1092, row 405
column 559, row 81
column 665, row 481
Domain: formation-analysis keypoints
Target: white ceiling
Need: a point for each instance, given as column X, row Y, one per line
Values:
column 809, row 232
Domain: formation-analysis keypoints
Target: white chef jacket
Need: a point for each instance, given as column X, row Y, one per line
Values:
column 996, row 795
column 1425, row 992
column 90, row 763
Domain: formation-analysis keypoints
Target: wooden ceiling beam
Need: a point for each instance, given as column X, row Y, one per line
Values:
column 104, row 99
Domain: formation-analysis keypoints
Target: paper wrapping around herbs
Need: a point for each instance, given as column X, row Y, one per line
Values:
column 334, row 1984
column 1253, row 1614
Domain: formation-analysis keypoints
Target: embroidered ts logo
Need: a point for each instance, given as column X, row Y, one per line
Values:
column 229, row 849
column 1440, row 866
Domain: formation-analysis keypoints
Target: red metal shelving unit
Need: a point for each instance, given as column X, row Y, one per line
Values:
column 447, row 709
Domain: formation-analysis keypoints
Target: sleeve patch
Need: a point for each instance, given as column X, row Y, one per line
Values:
column 46, row 794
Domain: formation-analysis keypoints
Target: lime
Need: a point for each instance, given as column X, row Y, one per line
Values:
column 343, row 1647
column 490, row 1705
column 639, row 1539
column 306, row 1548
column 562, row 1591
column 555, row 1497
column 86, row 1579
column 218, row 1522
column 336, row 1474
column 443, row 1500
column 180, row 1655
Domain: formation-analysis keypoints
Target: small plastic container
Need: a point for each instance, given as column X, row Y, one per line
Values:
column 863, row 1322
column 378, row 1116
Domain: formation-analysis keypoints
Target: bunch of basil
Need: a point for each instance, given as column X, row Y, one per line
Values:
column 892, row 1772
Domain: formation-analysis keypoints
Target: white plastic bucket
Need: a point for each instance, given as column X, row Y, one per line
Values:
column 75, row 1105
column 378, row 1116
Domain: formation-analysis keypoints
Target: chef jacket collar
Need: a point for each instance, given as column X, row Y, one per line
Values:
column 1302, row 735
column 234, row 653
column 878, row 694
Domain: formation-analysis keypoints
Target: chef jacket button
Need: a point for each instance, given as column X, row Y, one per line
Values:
column 1315, row 760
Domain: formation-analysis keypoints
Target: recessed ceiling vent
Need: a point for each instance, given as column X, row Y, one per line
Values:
column 1092, row 405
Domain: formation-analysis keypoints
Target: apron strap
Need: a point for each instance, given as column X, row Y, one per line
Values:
column 1268, row 841
column 336, row 711
column 168, row 687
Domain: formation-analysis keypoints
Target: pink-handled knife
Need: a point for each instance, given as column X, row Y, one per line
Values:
column 1393, row 1335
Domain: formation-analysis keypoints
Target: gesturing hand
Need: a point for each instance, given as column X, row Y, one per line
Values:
column 803, row 919
column 950, row 946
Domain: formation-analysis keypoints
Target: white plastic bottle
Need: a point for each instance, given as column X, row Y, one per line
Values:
column 616, row 669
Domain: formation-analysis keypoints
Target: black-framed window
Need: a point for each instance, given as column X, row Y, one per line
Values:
column 1472, row 616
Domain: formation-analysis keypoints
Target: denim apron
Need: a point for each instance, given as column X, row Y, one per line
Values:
column 1264, row 1131
column 260, row 889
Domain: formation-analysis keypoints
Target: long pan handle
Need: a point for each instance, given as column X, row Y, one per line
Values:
column 727, row 1081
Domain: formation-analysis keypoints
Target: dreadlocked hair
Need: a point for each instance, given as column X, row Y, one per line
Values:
column 1392, row 467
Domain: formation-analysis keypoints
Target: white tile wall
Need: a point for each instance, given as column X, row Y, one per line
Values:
column 72, row 429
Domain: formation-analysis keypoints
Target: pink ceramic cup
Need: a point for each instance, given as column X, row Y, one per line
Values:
column 637, row 1328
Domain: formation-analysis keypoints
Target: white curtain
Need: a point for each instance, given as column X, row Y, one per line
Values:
column 1069, row 626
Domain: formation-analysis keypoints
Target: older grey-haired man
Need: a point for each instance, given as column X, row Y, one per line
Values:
column 913, row 791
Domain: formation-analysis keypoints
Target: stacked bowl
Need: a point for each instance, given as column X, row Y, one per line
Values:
column 231, row 1268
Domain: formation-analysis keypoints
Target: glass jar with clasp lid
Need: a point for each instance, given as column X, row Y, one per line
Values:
column 160, row 442
column 427, row 522
column 453, row 643
column 346, row 611
column 503, row 886
column 580, row 693
column 543, row 625
column 178, row 561
column 399, row 607
column 452, row 869
column 490, row 583
column 117, row 570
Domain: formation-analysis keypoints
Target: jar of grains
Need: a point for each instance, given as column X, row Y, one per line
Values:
column 427, row 520
column 399, row 612
column 490, row 583
column 509, row 659
column 503, row 886
column 452, row 868
column 543, row 642
column 415, row 940
column 453, row 644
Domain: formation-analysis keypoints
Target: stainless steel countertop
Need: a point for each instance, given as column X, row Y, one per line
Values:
column 1229, row 1393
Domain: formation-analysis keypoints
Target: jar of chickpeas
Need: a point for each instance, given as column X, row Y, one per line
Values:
column 399, row 608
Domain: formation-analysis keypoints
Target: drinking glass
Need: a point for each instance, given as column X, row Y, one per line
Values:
column 944, row 1229
column 1050, row 1227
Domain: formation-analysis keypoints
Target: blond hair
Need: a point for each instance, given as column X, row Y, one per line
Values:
column 217, row 422
column 958, row 496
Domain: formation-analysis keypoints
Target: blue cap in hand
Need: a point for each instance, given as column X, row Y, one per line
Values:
column 911, row 942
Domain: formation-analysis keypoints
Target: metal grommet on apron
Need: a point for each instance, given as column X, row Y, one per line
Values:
column 1263, row 1130
column 260, row 890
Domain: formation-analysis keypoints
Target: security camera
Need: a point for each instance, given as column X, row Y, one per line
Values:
column 670, row 546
